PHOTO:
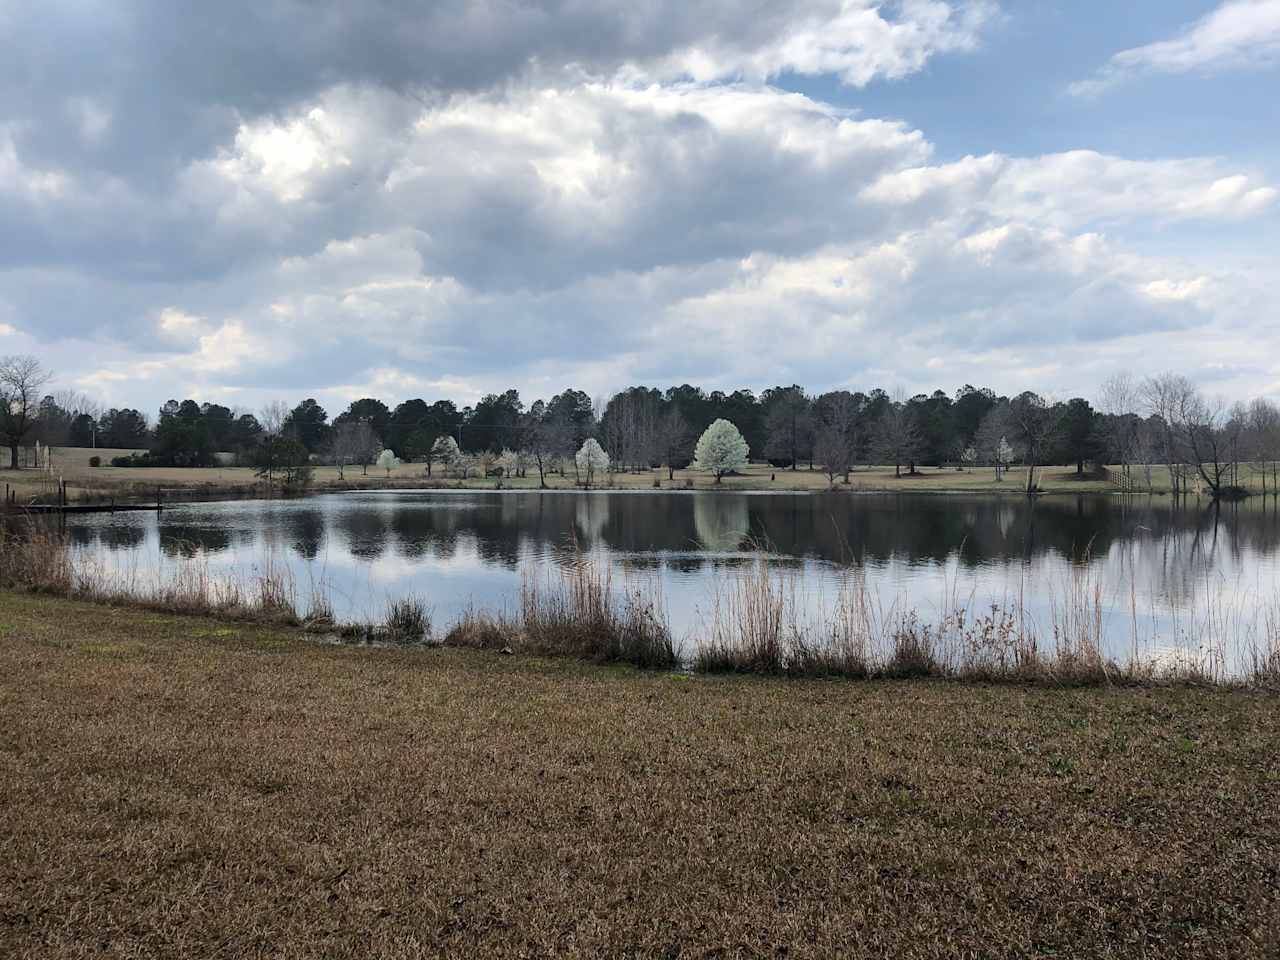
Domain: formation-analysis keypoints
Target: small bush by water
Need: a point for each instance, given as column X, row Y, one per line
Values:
column 408, row 620
column 483, row 630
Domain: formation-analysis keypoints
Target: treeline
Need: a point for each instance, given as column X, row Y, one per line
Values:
column 1162, row 420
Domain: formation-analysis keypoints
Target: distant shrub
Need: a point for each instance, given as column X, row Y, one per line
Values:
column 95, row 461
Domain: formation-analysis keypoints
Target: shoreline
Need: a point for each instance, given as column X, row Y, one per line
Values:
column 753, row 625
column 198, row 491
column 86, row 483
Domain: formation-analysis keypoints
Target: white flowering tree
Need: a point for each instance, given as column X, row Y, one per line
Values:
column 720, row 450
column 969, row 457
column 445, row 452
column 1004, row 457
column 591, row 459
column 513, row 462
column 388, row 461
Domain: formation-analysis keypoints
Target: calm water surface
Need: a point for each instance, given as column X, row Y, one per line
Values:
column 1161, row 566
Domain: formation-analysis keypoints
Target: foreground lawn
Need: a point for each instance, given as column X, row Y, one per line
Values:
column 181, row 787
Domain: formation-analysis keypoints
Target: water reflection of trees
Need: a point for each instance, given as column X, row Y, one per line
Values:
column 722, row 524
column 304, row 529
column 1188, row 550
column 181, row 541
column 122, row 537
column 689, row 530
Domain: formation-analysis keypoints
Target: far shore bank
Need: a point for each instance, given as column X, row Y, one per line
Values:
column 102, row 484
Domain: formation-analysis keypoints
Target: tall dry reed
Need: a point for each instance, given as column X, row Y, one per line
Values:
column 575, row 611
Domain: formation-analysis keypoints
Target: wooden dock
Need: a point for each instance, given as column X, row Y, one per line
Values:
column 83, row 507
column 11, row 504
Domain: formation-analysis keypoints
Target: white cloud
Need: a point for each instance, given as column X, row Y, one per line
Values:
column 852, row 39
column 1238, row 34
column 531, row 187
column 1080, row 187
column 285, row 158
column 25, row 181
column 1175, row 290
column 175, row 323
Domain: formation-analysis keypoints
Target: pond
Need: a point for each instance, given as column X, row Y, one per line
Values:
column 1163, row 572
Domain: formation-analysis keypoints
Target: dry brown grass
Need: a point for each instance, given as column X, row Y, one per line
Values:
column 176, row 786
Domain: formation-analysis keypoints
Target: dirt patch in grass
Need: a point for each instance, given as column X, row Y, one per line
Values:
column 172, row 788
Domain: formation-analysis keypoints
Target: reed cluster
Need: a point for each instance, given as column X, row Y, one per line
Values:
column 35, row 559
column 765, row 620
column 576, row 612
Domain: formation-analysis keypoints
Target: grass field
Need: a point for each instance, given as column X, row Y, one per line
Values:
column 176, row 786
column 72, row 465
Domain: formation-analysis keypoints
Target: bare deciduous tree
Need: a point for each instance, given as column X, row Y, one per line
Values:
column 353, row 442
column 898, row 439
column 630, row 429
column 273, row 417
column 1119, row 399
column 1262, row 430
column 1035, row 427
column 675, row 439
column 836, row 414
column 548, row 438
column 1166, row 397
column 1212, row 437
column 22, row 378
column 992, row 432
column 789, row 427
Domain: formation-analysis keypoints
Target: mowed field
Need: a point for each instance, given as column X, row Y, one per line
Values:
column 174, row 786
column 72, row 465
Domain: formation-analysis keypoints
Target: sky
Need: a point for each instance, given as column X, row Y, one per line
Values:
column 275, row 199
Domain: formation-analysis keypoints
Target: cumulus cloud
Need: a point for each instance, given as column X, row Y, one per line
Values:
column 853, row 40
column 1080, row 187
column 724, row 234
column 1238, row 34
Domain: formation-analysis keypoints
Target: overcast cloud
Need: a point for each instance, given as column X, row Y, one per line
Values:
column 287, row 199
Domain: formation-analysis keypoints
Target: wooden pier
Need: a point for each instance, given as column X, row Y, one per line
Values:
column 83, row 507
column 11, row 504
